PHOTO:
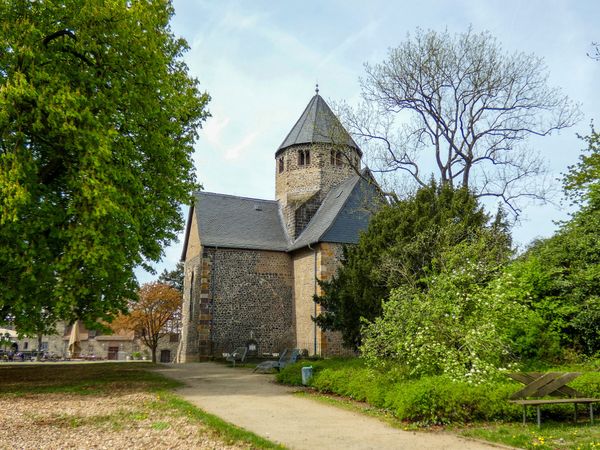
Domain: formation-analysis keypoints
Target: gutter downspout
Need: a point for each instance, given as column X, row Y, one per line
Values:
column 315, row 303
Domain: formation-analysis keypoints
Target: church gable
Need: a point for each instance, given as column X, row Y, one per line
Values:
column 191, row 245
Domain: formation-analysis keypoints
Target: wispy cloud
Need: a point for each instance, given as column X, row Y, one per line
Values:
column 213, row 129
column 236, row 151
column 349, row 43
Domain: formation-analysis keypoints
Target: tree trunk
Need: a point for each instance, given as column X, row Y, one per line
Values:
column 153, row 349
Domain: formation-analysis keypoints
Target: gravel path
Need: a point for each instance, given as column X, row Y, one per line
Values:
column 254, row 402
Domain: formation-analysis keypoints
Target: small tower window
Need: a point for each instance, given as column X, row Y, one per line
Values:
column 336, row 158
column 303, row 157
column 280, row 164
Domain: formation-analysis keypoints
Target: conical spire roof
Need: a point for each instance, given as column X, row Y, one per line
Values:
column 318, row 125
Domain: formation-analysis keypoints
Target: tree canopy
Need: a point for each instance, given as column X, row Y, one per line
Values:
column 150, row 313
column 98, row 115
column 463, row 108
column 173, row 277
column 566, row 266
column 462, row 325
column 400, row 249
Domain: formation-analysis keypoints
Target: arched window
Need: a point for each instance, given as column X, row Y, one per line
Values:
column 281, row 164
column 336, row 158
column 303, row 157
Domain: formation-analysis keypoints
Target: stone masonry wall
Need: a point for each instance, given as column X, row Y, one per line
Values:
column 192, row 283
column 188, row 348
column 328, row 260
column 304, row 213
column 250, row 294
column 330, row 257
column 298, row 184
column 304, row 288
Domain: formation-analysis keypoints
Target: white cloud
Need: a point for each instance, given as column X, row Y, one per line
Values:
column 236, row 151
column 213, row 129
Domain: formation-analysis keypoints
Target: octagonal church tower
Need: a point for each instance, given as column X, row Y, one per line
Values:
column 316, row 155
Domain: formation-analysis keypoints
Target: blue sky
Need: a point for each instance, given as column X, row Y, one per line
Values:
column 259, row 60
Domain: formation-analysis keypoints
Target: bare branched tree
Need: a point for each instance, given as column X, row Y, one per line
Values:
column 595, row 54
column 461, row 108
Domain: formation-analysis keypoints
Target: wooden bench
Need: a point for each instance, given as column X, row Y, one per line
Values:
column 539, row 386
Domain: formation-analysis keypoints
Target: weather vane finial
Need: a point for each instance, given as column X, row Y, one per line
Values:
column 317, row 88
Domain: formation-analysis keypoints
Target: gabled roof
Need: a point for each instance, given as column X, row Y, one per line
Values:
column 239, row 222
column 344, row 213
column 317, row 124
column 247, row 223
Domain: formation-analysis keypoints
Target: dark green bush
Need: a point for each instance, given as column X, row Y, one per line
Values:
column 428, row 400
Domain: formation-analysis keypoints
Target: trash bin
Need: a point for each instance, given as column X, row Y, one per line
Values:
column 307, row 373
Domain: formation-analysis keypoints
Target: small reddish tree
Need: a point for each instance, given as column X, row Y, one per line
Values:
column 156, row 305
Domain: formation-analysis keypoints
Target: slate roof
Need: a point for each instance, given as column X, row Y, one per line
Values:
column 317, row 124
column 248, row 223
column 239, row 222
column 344, row 213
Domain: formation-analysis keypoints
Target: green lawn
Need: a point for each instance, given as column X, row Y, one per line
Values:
column 79, row 404
column 552, row 435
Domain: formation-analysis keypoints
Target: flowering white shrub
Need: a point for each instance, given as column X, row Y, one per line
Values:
column 460, row 326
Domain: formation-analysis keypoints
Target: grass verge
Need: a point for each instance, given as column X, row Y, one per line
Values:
column 552, row 435
column 477, row 411
column 225, row 430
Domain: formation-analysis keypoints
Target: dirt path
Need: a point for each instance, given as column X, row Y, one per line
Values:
column 254, row 402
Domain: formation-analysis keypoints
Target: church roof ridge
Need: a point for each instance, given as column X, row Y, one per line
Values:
column 241, row 197
column 317, row 124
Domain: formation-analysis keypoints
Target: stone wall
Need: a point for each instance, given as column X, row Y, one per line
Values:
column 304, row 289
column 305, row 212
column 298, row 184
column 187, row 350
column 330, row 257
column 241, row 294
column 188, row 347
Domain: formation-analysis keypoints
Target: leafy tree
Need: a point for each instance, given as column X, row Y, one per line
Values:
column 5, row 341
column 400, row 249
column 462, row 105
column 582, row 182
column 569, row 300
column 461, row 325
column 148, row 316
column 174, row 277
column 559, row 278
column 98, row 116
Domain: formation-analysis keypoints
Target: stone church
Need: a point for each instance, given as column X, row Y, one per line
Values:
column 252, row 265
